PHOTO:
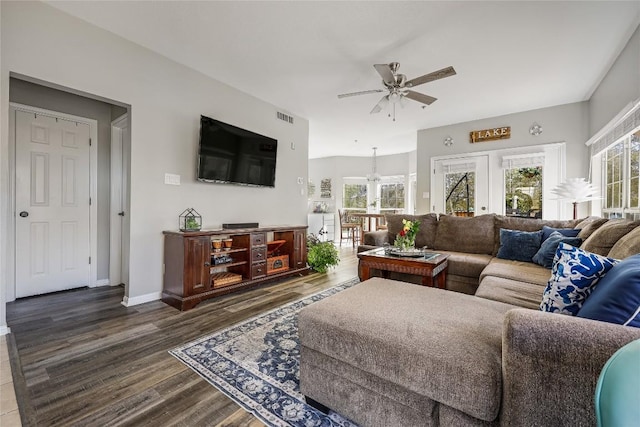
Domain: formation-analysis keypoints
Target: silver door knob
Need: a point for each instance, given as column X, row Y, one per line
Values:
column 24, row 214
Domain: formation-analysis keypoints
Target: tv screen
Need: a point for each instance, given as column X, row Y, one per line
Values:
column 228, row 154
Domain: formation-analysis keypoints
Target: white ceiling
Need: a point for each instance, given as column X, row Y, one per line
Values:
column 509, row 56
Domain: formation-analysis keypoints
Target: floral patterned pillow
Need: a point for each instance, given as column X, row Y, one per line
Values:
column 574, row 274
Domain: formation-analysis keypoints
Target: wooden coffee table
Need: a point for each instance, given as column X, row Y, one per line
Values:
column 432, row 267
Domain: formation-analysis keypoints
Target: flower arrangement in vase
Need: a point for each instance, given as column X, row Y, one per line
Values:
column 406, row 239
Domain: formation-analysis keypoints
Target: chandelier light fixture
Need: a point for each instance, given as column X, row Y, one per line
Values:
column 576, row 190
column 374, row 176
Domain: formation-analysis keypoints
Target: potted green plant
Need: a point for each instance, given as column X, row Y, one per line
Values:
column 321, row 255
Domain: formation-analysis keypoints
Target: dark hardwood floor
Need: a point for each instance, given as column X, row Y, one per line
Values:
column 81, row 358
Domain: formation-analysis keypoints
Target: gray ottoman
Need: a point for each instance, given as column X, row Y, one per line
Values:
column 391, row 353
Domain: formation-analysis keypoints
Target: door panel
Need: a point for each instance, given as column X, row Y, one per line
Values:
column 52, row 204
column 477, row 164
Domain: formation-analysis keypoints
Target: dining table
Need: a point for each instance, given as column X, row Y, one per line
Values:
column 370, row 222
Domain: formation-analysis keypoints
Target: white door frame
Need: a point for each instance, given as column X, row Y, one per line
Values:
column 118, row 188
column 93, row 191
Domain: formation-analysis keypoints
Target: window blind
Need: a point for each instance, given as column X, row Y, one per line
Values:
column 450, row 167
column 627, row 121
column 523, row 161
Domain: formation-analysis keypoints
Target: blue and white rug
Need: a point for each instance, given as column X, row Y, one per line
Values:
column 256, row 364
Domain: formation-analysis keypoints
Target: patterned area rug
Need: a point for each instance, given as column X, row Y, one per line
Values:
column 256, row 364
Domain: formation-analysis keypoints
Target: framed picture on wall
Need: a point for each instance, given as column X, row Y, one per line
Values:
column 325, row 188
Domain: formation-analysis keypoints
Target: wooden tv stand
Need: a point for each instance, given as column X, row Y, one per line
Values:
column 191, row 274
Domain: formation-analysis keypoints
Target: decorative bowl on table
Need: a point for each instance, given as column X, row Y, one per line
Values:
column 407, row 252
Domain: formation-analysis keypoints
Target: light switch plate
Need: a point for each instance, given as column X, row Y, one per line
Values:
column 171, row 179
column 300, row 180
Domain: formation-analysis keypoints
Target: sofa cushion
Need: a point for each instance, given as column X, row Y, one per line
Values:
column 588, row 225
column 605, row 237
column 471, row 235
column 450, row 341
column 519, row 245
column 628, row 245
column 517, row 270
column 568, row 232
column 513, row 282
column 616, row 298
column 377, row 238
column 547, row 252
column 465, row 264
column 510, row 291
column 526, row 224
column 426, row 233
column 574, row 275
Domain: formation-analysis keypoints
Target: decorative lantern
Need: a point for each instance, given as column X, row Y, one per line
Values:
column 190, row 220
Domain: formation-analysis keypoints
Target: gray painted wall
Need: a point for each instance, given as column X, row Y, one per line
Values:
column 166, row 100
column 27, row 93
column 339, row 167
column 619, row 87
column 563, row 123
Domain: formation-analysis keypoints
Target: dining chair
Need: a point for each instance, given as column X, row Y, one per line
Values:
column 351, row 229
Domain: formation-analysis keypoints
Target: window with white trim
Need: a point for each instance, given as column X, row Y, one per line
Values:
column 615, row 156
column 459, row 187
column 621, row 178
column 354, row 196
column 523, row 185
column 392, row 195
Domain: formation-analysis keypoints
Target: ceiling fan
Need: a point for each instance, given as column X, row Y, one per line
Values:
column 399, row 87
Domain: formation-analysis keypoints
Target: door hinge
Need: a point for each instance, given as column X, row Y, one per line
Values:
column 89, row 201
column 89, row 260
column 89, row 142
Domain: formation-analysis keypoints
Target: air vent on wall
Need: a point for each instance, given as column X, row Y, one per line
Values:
column 287, row 118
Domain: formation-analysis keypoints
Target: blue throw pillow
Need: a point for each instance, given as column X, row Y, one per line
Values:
column 547, row 252
column 573, row 276
column 569, row 232
column 616, row 299
column 519, row 245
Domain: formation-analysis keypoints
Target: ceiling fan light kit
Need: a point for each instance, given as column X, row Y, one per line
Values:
column 398, row 87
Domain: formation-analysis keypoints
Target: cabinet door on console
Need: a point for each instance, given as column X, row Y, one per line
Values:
column 197, row 276
column 299, row 249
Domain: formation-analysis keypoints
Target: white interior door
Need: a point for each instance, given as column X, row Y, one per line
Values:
column 479, row 165
column 118, row 259
column 52, row 204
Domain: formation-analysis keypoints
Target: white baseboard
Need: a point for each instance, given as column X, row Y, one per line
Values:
column 102, row 282
column 5, row 330
column 154, row 296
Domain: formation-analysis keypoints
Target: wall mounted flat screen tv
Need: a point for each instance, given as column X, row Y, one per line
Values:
column 230, row 155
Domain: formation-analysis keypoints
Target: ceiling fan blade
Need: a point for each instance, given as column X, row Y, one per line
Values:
column 420, row 97
column 380, row 105
column 364, row 92
column 386, row 73
column 436, row 75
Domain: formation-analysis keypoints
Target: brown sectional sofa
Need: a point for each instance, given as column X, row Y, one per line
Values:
column 387, row 352
column 472, row 245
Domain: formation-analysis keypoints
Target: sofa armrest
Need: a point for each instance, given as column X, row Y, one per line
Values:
column 377, row 238
column 551, row 364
